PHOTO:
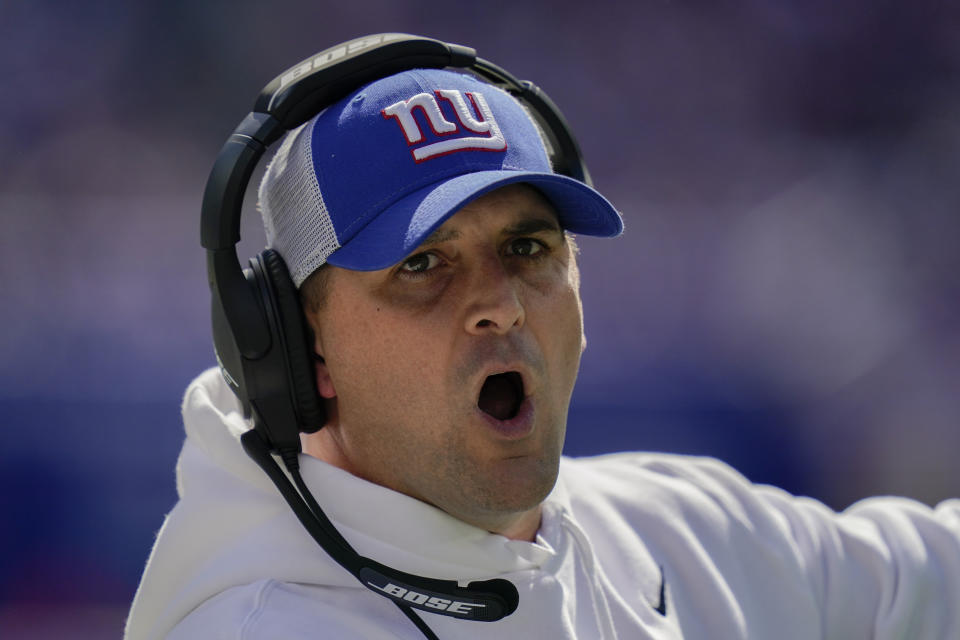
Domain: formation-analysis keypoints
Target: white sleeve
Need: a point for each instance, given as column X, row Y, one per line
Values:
column 747, row 559
column 884, row 568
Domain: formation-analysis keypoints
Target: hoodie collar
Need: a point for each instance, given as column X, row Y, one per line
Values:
column 419, row 537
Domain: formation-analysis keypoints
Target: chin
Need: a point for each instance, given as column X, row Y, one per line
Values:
column 519, row 485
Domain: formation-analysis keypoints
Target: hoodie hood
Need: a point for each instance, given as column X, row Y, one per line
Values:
column 229, row 510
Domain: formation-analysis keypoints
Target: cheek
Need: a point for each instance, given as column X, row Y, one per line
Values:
column 556, row 302
column 574, row 340
column 570, row 339
column 373, row 355
column 574, row 305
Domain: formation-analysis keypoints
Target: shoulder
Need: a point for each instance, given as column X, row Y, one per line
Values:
column 644, row 465
column 663, row 482
column 697, row 506
column 710, row 496
column 681, row 485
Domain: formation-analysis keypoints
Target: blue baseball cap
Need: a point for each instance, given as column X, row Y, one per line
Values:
column 364, row 182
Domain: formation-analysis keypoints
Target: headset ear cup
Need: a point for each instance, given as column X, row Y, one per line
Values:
column 291, row 321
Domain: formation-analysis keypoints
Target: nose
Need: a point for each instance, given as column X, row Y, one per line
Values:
column 494, row 301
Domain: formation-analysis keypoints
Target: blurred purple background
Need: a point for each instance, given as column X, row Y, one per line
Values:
column 786, row 295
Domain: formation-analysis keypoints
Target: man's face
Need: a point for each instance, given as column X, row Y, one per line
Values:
column 414, row 356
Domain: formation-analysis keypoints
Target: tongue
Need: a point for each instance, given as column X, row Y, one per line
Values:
column 499, row 397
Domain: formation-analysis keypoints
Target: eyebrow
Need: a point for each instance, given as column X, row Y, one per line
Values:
column 440, row 235
column 530, row 226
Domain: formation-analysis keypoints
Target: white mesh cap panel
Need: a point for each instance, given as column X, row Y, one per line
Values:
column 294, row 215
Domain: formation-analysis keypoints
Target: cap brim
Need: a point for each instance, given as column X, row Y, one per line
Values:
column 398, row 230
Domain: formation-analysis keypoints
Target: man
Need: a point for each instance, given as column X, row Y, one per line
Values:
column 431, row 245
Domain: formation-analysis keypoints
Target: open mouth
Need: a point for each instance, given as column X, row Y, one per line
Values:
column 502, row 395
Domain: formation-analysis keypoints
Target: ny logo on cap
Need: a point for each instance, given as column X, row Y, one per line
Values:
column 479, row 120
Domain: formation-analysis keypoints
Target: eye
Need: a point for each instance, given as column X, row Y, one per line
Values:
column 525, row 247
column 419, row 263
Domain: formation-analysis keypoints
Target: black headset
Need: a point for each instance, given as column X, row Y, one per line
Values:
column 260, row 335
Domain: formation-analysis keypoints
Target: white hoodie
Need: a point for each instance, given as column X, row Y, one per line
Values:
column 738, row 560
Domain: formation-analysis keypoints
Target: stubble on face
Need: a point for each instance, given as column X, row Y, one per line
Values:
column 405, row 363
